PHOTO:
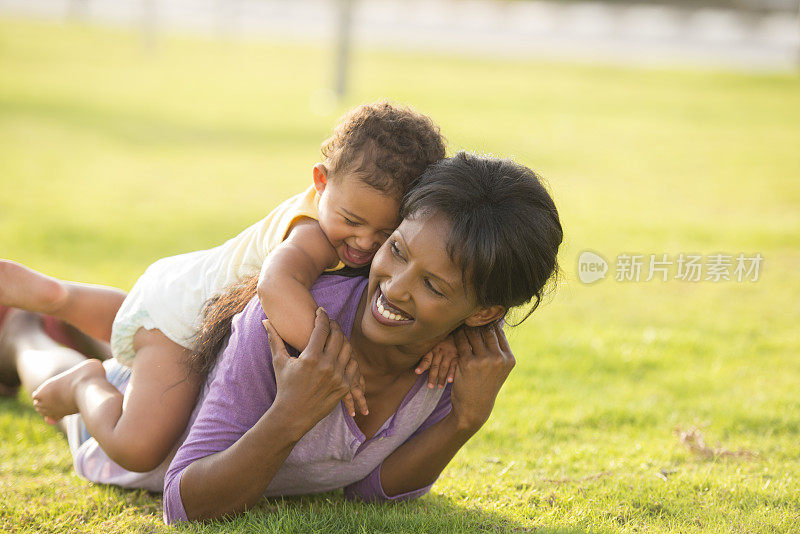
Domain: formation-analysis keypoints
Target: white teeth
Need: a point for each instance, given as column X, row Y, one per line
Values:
column 386, row 313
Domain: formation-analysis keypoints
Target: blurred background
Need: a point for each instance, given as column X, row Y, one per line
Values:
column 133, row 130
column 752, row 34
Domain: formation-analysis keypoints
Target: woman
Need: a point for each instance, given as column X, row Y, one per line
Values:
column 479, row 236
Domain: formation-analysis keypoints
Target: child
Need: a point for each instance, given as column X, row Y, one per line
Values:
column 373, row 158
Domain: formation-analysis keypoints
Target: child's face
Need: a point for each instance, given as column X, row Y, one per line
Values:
column 355, row 217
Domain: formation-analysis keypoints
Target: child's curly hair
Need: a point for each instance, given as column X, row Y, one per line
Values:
column 386, row 146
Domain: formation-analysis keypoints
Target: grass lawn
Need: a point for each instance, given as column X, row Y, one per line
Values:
column 112, row 156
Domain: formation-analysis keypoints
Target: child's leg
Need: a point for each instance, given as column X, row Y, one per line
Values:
column 90, row 308
column 138, row 430
column 28, row 355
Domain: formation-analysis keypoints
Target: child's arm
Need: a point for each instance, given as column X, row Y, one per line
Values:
column 289, row 271
column 284, row 289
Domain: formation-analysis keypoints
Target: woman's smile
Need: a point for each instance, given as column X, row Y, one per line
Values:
column 416, row 293
column 387, row 313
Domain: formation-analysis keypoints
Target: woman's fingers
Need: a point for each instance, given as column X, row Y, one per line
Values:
column 319, row 334
column 475, row 341
column 503, row 343
column 462, row 343
column 276, row 345
column 490, row 339
column 501, row 338
column 335, row 341
column 345, row 354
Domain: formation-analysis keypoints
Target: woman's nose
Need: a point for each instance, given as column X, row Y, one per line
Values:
column 396, row 287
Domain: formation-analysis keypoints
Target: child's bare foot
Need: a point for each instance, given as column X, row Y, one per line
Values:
column 55, row 398
column 27, row 289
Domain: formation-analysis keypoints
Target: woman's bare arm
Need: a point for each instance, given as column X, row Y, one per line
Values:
column 485, row 360
column 235, row 447
column 233, row 480
column 419, row 462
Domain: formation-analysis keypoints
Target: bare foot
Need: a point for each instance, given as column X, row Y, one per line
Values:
column 55, row 398
column 27, row 289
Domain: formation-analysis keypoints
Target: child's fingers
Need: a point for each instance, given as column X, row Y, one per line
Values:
column 349, row 404
column 424, row 363
column 356, row 393
column 444, row 369
column 451, row 374
column 433, row 372
column 356, row 381
column 357, row 387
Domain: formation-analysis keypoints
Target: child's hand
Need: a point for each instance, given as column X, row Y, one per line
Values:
column 349, row 401
column 441, row 361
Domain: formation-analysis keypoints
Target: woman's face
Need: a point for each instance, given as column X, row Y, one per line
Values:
column 416, row 294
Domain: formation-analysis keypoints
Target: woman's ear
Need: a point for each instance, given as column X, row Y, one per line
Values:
column 484, row 316
column 320, row 174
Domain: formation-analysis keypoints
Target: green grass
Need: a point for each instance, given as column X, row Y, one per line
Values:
column 111, row 157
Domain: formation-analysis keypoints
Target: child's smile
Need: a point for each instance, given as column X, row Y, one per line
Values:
column 356, row 217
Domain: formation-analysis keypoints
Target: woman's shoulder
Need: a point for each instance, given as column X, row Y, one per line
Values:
column 340, row 295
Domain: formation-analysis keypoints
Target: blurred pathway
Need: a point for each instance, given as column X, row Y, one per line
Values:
column 589, row 31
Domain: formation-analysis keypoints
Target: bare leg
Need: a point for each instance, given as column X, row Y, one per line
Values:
column 88, row 346
column 90, row 308
column 138, row 430
column 28, row 355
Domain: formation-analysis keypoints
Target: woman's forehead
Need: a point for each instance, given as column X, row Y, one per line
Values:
column 426, row 236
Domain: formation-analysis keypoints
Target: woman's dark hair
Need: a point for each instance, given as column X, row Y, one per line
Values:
column 504, row 235
column 217, row 315
column 505, row 230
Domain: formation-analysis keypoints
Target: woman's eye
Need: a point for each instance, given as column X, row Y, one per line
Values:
column 395, row 249
column 350, row 222
column 433, row 289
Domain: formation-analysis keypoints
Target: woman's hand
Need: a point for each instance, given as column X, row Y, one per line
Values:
column 312, row 384
column 485, row 360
